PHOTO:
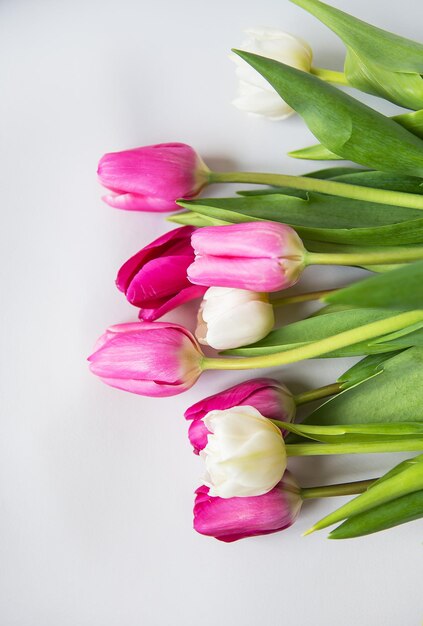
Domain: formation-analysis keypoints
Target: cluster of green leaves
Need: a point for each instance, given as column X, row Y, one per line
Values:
column 377, row 61
column 394, row 499
column 343, row 125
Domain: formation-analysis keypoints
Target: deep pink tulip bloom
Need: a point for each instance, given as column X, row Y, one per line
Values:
column 155, row 279
column 268, row 396
column 230, row 519
column 148, row 358
column 259, row 256
column 152, row 178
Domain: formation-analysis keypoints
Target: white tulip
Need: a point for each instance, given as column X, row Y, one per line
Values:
column 245, row 453
column 230, row 318
column 256, row 95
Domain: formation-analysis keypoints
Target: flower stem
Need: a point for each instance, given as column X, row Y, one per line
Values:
column 330, row 76
column 402, row 444
column 301, row 297
column 330, row 187
column 317, row 348
column 378, row 257
column 317, row 394
column 341, row 489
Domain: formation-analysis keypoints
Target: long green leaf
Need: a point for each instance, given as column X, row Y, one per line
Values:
column 318, row 217
column 399, row 511
column 342, row 124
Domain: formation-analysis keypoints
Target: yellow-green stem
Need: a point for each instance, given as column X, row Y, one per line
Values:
column 330, row 76
column 317, row 394
column 341, row 489
column 330, row 187
column 301, row 297
column 378, row 257
column 317, row 449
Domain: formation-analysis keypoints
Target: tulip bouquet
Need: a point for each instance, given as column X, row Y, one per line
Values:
column 238, row 254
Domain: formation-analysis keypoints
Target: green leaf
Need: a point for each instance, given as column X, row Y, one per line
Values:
column 358, row 433
column 194, row 219
column 342, row 124
column 413, row 122
column 400, row 289
column 319, row 217
column 399, row 511
column 391, row 392
column 316, row 152
column 408, row 480
column 378, row 62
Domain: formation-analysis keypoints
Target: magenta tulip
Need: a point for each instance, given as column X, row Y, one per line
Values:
column 152, row 178
column 150, row 359
column 155, row 279
column 268, row 396
column 230, row 519
column 259, row 256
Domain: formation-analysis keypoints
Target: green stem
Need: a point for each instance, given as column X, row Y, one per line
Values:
column 379, row 257
column 317, row 394
column 302, row 297
column 330, row 76
column 317, row 348
column 330, row 187
column 341, row 489
column 317, row 449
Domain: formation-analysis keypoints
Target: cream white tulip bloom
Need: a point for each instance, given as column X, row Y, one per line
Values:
column 230, row 318
column 245, row 453
column 256, row 95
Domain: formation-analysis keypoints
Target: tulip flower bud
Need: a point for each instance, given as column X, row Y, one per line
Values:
column 150, row 359
column 256, row 96
column 230, row 519
column 268, row 396
column 155, row 279
column 230, row 318
column 152, row 178
column 245, row 453
column 257, row 256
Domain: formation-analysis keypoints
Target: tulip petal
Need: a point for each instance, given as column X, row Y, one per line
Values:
column 176, row 241
column 255, row 274
column 250, row 239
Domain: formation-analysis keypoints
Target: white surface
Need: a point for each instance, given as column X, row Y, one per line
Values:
column 96, row 484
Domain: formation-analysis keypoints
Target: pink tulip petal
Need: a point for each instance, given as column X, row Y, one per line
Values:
column 176, row 241
column 242, row 273
column 230, row 519
column 136, row 202
column 252, row 239
column 238, row 395
column 152, row 284
column 197, row 434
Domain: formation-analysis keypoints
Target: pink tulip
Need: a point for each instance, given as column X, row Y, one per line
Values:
column 150, row 359
column 268, row 396
column 259, row 256
column 152, row 178
column 155, row 279
column 230, row 519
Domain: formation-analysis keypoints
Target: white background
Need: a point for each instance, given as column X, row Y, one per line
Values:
column 97, row 485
